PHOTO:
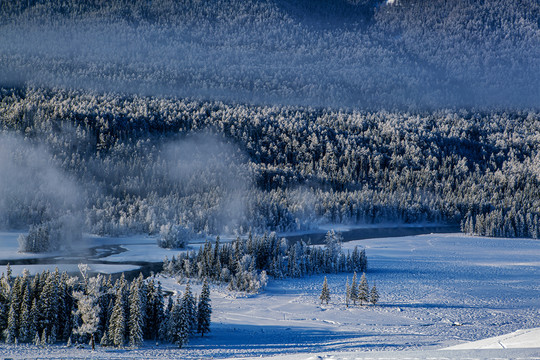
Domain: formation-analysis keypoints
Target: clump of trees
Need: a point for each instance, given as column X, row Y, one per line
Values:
column 355, row 292
column 246, row 263
column 174, row 236
column 54, row 307
column 51, row 235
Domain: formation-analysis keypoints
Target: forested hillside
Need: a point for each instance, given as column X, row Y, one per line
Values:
column 132, row 164
column 207, row 117
column 365, row 54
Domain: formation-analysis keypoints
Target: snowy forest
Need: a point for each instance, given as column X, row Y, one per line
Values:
column 195, row 119
column 54, row 307
column 130, row 164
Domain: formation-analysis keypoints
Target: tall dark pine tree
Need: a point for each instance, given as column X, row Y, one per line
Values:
column 204, row 310
column 24, row 319
column 190, row 309
column 10, row 333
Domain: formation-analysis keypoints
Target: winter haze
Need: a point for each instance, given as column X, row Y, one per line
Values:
column 311, row 179
column 368, row 54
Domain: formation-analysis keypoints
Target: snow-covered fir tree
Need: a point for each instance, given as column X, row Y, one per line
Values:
column 204, row 310
column 363, row 289
column 189, row 307
column 325, row 293
column 374, row 295
column 117, row 323
column 136, row 315
column 347, row 293
column 354, row 290
column 10, row 333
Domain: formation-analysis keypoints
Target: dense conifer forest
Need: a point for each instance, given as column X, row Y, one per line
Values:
column 130, row 164
column 53, row 307
column 194, row 118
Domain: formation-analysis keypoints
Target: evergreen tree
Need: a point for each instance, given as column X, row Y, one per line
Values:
column 347, row 293
column 48, row 303
column 44, row 339
column 374, row 295
column 204, row 310
column 158, row 311
column 325, row 293
column 33, row 319
column 104, row 339
column 363, row 290
column 117, row 323
column 135, row 316
column 10, row 333
column 24, row 319
column 166, row 325
column 354, row 290
column 175, row 321
column 183, row 326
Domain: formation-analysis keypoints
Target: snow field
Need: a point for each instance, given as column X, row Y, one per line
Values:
column 436, row 291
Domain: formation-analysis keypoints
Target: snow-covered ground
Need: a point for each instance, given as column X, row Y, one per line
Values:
column 437, row 292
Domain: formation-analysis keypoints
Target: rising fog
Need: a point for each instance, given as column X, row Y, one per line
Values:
column 32, row 189
column 203, row 163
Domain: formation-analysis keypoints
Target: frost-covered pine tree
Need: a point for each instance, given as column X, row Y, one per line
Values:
column 117, row 323
column 190, row 309
column 153, row 310
column 354, row 289
column 48, row 304
column 88, row 308
column 374, row 295
column 10, row 333
column 325, row 293
column 204, row 310
column 36, row 339
column 333, row 242
column 24, row 319
column 135, row 316
column 179, row 323
column 347, row 293
column 183, row 327
column 104, row 339
column 44, row 339
column 363, row 290
column 33, row 319
column 163, row 331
